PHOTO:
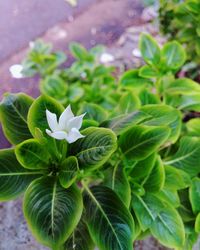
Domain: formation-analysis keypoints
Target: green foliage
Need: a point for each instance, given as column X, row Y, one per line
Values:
column 180, row 20
column 134, row 170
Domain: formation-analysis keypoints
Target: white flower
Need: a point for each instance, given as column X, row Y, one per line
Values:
column 67, row 127
column 16, row 71
column 106, row 58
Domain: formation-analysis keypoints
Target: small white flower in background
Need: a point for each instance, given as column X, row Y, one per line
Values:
column 136, row 52
column 73, row 3
column 106, row 58
column 31, row 44
column 16, row 71
column 67, row 127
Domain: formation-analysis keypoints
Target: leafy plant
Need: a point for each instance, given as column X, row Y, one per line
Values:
column 180, row 20
column 131, row 171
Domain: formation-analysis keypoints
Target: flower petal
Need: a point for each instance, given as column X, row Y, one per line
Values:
column 65, row 117
column 52, row 120
column 75, row 122
column 59, row 135
column 74, row 135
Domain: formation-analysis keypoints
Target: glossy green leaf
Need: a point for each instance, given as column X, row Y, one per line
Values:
column 95, row 148
column 183, row 86
column 174, row 55
column 187, row 157
column 93, row 112
column 193, row 127
column 80, row 239
column 194, row 195
column 128, row 103
column 52, row 212
column 117, row 180
column 37, row 113
column 173, row 174
column 14, row 179
column 197, row 223
column 148, row 72
column 149, row 49
column 143, row 168
column 121, row 123
column 170, row 196
column 155, row 181
column 68, row 171
column 32, row 155
column 132, row 79
column 79, row 52
column 139, row 142
column 163, row 220
column 13, row 115
column 109, row 222
column 164, row 115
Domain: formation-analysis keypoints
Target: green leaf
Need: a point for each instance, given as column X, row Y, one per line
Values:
column 54, row 86
column 173, row 174
column 132, row 79
column 68, row 172
column 193, row 127
column 164, row 115
column 174, row 55
column 95, row 148
column 13, row 115
column 32, row 155
column 197, row 223
column 14, row 179
column 147, row 71
column 79, row 52
column 149, row 49
column 155, row 181
column 52, row 212
column 163, row 220
column 170, row 196
column 139, row 142
column 80, row 239
column 37, row 113
column 109, row 222
column 143, row 168
column 194, row 195
column 93, row 112
column 128, row 103
column 187, row 157
column 121, row 123
column 117, row 180
column 183, row 86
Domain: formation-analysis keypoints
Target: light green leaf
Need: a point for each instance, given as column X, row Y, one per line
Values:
column 197, row 223
column 187, row 157
column 14, row 179
column 148, row 72
column 155, row 181
column 128, row 103
column 117, row 180
column 37, row 113
column 95, row 148
column 173, row 54
column 13, row 115
column 132, row 79
column 149, row 49
column 68, row 171
column 142, row 169
column 80, row 239
column 109, row 222
column 79, row 52
column 32, row 155
column 164, row 115
column 139, row 142
column 52, row 212
column 93, row 112
column 121, row 123
column 194, row 195
column 183, row 86
column 163, row 220
column 173, row 174
column 193, row 127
